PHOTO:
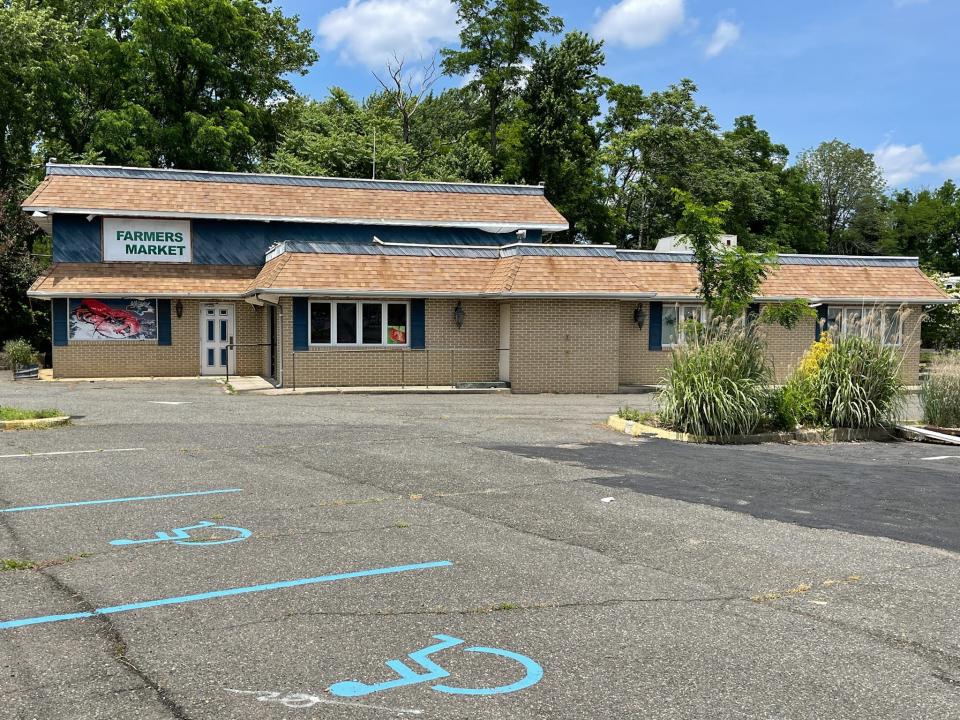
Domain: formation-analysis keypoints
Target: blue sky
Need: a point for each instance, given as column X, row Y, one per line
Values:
column 879, row 74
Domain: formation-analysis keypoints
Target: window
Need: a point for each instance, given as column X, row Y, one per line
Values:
column 884, row 323
column 674, row 319
column 358, row 324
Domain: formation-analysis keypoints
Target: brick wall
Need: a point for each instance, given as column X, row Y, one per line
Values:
column 638, row 364
column 564, row 346
column 452, row 355
column 785, row 347
column 119, row 358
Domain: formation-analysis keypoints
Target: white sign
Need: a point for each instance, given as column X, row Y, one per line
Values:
column 135, row 240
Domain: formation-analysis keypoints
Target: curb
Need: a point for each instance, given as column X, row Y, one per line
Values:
column 816, row 435
column 34, row 423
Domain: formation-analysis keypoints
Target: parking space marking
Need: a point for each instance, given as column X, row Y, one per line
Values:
column 181, row 536
column 77, row 503
column 71, row 452
column 181, row 599
column 171, row 402
column 305, row 700
column 943, row 457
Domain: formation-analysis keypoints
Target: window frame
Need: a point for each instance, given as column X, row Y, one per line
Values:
column 679, row 310
column 840, row 315
column 358, row 306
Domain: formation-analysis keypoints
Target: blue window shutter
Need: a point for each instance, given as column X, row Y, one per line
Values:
column 656, row 326
column 821, row 321
column 418, row 332
column 164, row 336
column 301, row 310
column 60, row 312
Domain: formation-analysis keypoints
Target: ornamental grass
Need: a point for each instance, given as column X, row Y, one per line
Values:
column 940, row 392
column 717, row 382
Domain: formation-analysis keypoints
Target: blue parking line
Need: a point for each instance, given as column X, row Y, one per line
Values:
column 222, row 593
column 117, row 500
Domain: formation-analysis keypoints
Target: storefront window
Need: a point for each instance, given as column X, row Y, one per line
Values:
column 885, row 323
column 346, row 323
column 674, row 319
column 372, row 323
column 320, row 323
column 362, row 323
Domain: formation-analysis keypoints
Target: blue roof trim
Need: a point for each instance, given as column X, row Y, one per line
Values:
column 547, row 250
column 299, row 180
column 821, row 260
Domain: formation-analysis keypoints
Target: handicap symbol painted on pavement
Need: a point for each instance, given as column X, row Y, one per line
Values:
column 354, row 688
column 181, row 535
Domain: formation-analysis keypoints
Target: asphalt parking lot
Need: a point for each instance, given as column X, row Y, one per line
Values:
column 204, row 556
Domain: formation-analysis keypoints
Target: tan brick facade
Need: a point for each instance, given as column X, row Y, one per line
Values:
column 564, row 346
column 118, row 358
column 452, row 355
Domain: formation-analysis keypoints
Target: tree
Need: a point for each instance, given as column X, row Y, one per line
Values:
column 559, row 143
column 655, row 142
column 336, row 137
column 496, row 40
column 851, row 195
column 926, row 224
column 406, row 89
column 21, row 260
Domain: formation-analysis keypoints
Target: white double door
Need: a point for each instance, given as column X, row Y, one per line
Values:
column 217, row 332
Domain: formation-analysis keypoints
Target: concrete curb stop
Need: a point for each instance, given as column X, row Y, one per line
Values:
column 815, row 435
column 34, row 423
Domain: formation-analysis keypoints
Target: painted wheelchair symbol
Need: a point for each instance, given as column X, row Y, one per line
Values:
column 181, row 535
column 354, row 688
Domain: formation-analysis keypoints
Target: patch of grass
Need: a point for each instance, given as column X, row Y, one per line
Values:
column 12, row 413
column 7, row 564
column 643, row 416
column 506, row 606
column 402, row 525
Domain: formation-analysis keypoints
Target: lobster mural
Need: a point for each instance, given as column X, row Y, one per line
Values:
column 107, row 321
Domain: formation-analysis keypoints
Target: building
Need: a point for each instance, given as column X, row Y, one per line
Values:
column 333, row 282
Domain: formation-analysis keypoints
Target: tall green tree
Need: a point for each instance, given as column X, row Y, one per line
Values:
column 559, row 141
column 926, row 223
column 851, row 195
column 496, row 42
column 653, row 143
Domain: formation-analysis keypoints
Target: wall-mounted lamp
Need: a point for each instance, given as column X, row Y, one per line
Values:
column 179, row 308
column 459, row 314
column 638, row 316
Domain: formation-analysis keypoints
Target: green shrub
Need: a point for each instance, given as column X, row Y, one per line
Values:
column 12, row 413
column 716, row 383
column 940, row 393
column 628, row 413
column 19, row 352
column 858, row 383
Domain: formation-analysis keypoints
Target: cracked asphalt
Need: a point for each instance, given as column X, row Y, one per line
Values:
column 753, row 582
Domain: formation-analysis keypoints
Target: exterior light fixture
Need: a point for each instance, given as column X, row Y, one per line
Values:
column 458, row 314
column 638, row 316
column 179, row 308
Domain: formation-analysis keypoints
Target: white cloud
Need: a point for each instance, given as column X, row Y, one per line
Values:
column 902, row 164
column 726, row 34
column 639, row 23
column 369, row 32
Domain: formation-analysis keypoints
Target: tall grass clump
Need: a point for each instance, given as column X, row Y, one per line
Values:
column 940, row 393
column 857, row 383
column 716, row 383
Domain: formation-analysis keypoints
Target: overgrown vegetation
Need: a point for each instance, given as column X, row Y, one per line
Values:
column 636, row 415
column 19, row 352
column 12, row 413
column 858, row 384
column 940, row 393
column 717, row 382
